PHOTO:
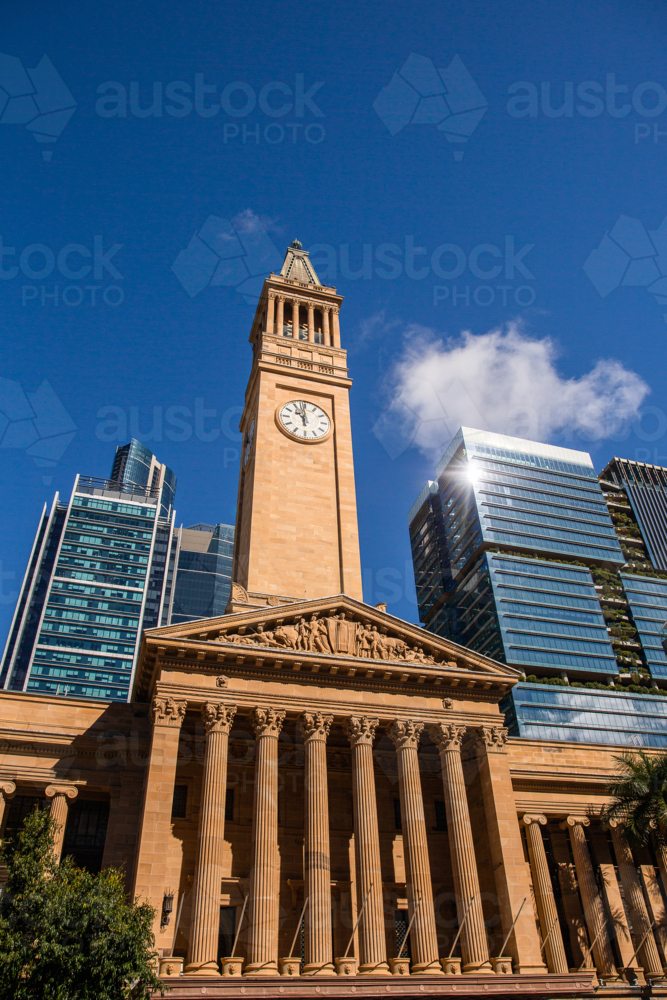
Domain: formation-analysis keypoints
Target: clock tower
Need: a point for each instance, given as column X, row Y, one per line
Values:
column 296, row 523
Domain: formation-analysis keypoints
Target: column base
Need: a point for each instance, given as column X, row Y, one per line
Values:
column 262, row 969
column 377, row 969
column 202, row 969
column 433, row 968
column 311, row 969
column 479, row 968
column 532, row 970
column 400, row 966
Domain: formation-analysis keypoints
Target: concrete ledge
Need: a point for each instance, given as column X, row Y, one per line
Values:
column 566, row 986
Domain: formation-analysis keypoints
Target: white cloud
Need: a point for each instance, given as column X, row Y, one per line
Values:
column 500, row 381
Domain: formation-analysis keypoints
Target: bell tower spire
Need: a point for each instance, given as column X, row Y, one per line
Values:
column 296, row 527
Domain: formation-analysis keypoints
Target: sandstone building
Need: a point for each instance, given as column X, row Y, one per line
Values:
column 315, row 796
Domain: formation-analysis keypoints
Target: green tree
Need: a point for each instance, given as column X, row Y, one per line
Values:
column 639, row 797
column 66, row 934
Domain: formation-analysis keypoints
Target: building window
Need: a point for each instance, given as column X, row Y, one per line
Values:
column 402, row 920
column 229, row 806
column 179, row 802
column 20, row 808
column 227, row 931
column 398, row 823
column 440, row 816
column 85, row 833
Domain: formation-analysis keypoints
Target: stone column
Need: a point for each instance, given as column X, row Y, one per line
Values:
column 656, row 907
column 649, row 958
column 311, row 322
column 544, row 894
column 59, row 795
column 510, row 871
column 317, row 888
column 264, row 875
column 7, row 792
column 423, row 935
column 325, row 326
column 280, row 322
column 205, row 927
column 336, row 327
column 153, row 872
column 590, row 897
column 295, row 319
column 661, row 858
column 447, row 738
column 372, row 944
column 270, row 313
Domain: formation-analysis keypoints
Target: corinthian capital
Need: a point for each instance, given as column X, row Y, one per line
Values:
column 360, row 730
column 493, row 738
column 447, row 736
column 218, row 718
column 315, row 726
column 267, row 722
column 167, row 712
column 405, row 734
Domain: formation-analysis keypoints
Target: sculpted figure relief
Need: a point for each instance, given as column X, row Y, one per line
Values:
column 333, row 634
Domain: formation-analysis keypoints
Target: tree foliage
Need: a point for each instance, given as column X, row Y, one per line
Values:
column 639, row 797
column 67, row 934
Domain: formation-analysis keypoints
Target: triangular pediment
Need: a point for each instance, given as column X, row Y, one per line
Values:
column 325, row 630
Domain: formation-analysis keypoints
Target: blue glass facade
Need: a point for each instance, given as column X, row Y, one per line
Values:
column 480, row 535
column 534, row 614
column 522, row 499
column 135, row 463
column 95, row 581
column 520, row 554
column 542, row 712
column 647, row 599
column 203, row 578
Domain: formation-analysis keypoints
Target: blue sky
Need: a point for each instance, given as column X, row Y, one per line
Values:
column 286, row 142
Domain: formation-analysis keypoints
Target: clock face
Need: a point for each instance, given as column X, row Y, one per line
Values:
column 304, row 420
column 250, row 435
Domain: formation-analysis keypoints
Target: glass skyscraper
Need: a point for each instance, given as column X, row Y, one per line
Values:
column 203, row 560
column 96, row 578
column 519, row 552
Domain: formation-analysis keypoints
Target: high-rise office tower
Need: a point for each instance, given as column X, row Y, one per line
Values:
column 513, row 546
column 95, row 580
column 202, row 571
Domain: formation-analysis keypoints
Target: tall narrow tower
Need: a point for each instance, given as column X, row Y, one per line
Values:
column 296, row 526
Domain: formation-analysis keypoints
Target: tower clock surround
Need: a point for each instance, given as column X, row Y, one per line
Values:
column 304, row 421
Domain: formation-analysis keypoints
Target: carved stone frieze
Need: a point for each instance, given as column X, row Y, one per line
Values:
column 331, row 634
column 315, row 726
column 168, row 712
column 218, row 718
column 267, row 722
column 405, row 734
column 447, row 736
column 360, row 729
